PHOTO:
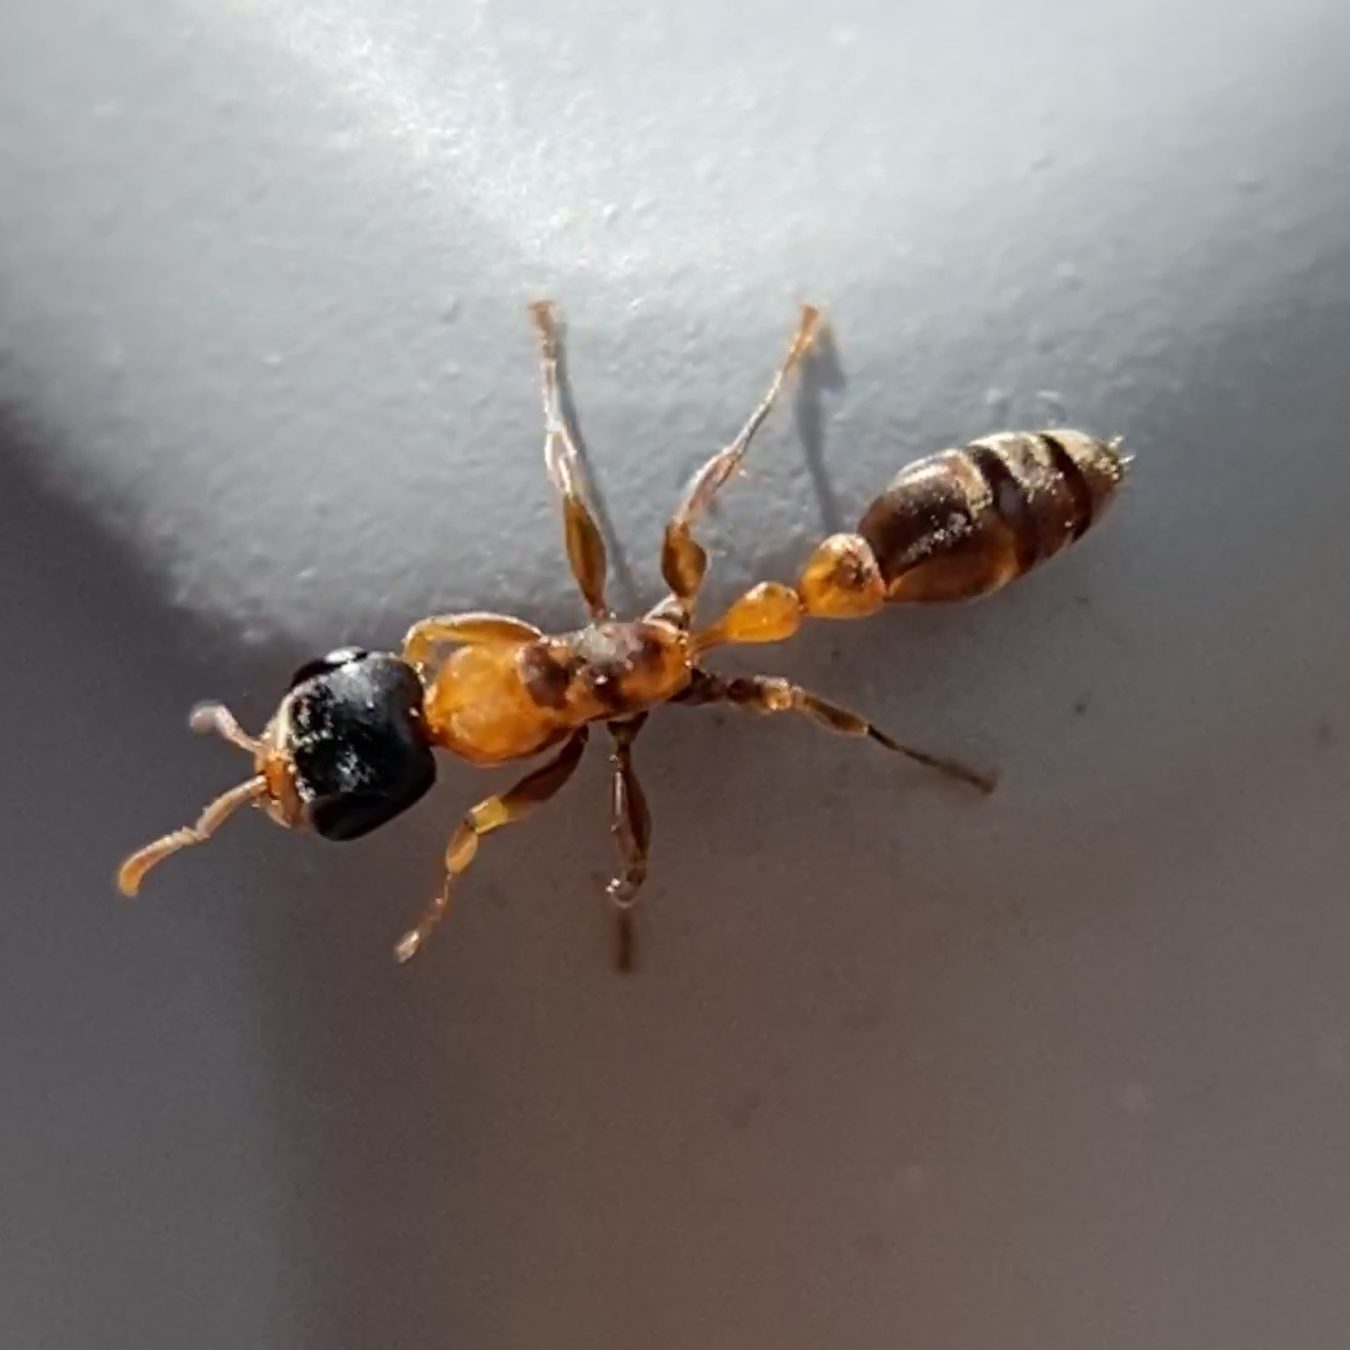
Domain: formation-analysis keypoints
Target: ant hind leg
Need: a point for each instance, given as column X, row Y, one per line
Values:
column 683, row 560
column 769, row 694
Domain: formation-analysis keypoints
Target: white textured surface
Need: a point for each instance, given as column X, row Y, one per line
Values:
column 1068, row 1069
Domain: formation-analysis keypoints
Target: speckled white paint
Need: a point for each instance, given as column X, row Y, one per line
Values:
column 1056, row 1072
column 293, row 243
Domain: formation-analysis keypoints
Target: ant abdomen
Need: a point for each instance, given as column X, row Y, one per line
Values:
column 963, row 523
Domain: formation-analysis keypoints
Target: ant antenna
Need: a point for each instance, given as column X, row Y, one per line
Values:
column 205, row 719
column 215, row 719
column 132, row 872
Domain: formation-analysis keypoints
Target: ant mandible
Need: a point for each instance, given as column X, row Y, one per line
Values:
column 350, row 745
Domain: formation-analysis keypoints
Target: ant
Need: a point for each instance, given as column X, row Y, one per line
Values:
column 350, row 745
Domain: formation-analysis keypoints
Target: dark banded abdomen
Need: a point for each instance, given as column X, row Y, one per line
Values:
column 963, row 523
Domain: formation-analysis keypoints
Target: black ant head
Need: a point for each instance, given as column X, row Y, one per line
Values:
column 352, row 729
column 345, row 752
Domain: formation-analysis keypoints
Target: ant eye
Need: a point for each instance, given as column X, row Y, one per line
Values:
column 324, row 665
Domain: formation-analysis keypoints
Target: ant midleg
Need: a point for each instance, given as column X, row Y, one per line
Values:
column 632, row 829
column 584, row 541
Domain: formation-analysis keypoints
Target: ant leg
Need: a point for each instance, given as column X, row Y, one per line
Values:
column 632, row 830
column 769, row 694
column 491, row 814
column 585, row 544
column 132, row 872
column 473, row 629
column 683, row 560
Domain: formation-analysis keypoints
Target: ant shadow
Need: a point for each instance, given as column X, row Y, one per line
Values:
column 821, row 372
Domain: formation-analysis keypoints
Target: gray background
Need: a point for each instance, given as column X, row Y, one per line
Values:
column 1066, row 1069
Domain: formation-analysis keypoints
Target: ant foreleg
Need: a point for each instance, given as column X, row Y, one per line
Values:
column 491, row 814
column 469, row 629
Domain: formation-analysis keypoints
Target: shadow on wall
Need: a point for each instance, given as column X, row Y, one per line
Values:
column 134, row 1155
